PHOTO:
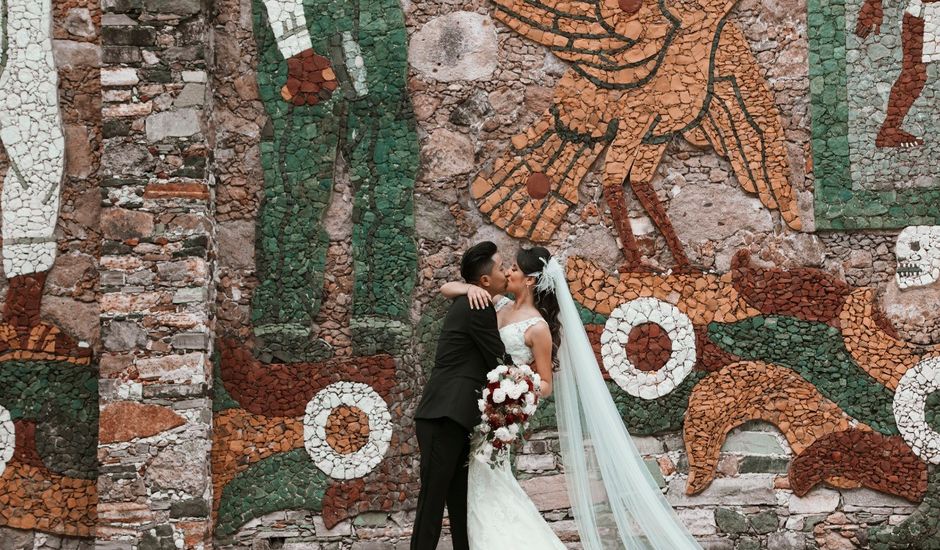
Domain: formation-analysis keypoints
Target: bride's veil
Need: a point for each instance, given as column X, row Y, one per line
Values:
column 615, row 500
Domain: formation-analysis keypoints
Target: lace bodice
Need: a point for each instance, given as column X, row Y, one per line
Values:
column 513, row 336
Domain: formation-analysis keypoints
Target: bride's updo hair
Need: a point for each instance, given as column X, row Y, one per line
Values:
column 533, row 260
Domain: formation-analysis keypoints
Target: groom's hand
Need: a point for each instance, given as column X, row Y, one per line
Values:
column 479, row 298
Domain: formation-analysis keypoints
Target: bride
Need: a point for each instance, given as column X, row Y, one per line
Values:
column 614, row 499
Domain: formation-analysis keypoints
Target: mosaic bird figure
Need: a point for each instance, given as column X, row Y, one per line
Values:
column 641, row 73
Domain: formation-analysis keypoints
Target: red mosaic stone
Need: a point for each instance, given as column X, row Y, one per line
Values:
column 630, row 6
column 805, row 293
column 283, row 389
column 25, row 335
column 25, row 450
column 710, row 356
column 883, row 463
column 538, row 185
column 648, row 347
column 124, row 421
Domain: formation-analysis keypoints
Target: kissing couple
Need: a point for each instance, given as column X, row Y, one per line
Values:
column 614, row 499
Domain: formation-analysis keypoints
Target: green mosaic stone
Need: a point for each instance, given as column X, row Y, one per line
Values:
column 920, row 530
column 932, row 411
column 640, row 416
column 221, row 399
column 369, row 123
column 764, row 522
column 62, row 399
column 285, row 481
column 816, row 352
column 729, row 521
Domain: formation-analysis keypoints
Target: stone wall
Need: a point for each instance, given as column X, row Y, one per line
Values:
column 223, row 240
column 737, row 218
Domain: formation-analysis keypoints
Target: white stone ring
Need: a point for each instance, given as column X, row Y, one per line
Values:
column 7, row 438
column 637, row 382
column 910, row 402
column 347, row 429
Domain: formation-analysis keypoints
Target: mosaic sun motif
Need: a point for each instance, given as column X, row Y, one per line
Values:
column 347, row 429
column 641, row 74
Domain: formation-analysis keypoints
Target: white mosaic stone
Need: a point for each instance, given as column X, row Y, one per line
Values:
column 31, row 132
column 636, row 382
column 910, row 400
column 7, row 438
column 362, row 461
column 918, row 255
column 929, row 11
column 289, row 25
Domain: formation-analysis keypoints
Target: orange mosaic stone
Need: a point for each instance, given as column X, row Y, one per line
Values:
column 639, row 77
column 704, row 297
column 240, row 438
column 36, row 498
column 880, row 354
column 754, row 391
column 347, row 429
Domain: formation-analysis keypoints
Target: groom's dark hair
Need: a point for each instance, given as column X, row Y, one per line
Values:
column 477, row 261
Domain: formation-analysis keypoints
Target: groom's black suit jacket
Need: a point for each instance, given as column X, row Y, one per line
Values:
column 468, row 348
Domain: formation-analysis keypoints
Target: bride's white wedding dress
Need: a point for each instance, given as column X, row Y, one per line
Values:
column 615, row 501
column 500, row 515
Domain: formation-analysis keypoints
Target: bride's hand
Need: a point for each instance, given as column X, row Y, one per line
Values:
column 478, row 297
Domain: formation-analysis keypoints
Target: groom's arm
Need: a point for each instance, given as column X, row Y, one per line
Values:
column 485, row 334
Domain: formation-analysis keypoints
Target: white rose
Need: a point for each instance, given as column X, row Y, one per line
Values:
column 503, row 434
column 492, row 376
column 502, row 369
column 508, row 387
column 529, row 409
column 481, row 404
column 499, row 396
column 529, row 398
column 514, row 429
column 486, row 393
column 517, row 390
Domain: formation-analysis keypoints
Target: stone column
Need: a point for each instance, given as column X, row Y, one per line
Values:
column 156, row 281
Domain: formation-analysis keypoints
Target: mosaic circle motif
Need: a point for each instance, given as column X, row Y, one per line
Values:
column 643, row 382
column 910, row 402
column 347, row 429
column 7, row 438
column 648, row 347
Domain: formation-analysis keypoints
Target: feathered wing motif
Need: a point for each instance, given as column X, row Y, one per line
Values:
column 634, row 84
column 535, row 183
column 743, row 124
column 607, row 45
column 615, row 501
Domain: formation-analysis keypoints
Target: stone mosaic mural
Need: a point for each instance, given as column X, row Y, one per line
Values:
column 300, row 422
column 640, row 75
column 874, row 113
column 48, row 382
column 795, row 348
column 265, row 274
column 311, row 409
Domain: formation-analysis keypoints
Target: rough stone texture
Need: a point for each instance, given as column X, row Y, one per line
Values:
column 157, row 237
column 155, row 259
column 458, row 46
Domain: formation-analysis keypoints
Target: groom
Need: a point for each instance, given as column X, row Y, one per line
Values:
column 467, row 349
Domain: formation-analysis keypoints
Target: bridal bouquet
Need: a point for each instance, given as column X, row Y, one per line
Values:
column 510, row 397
